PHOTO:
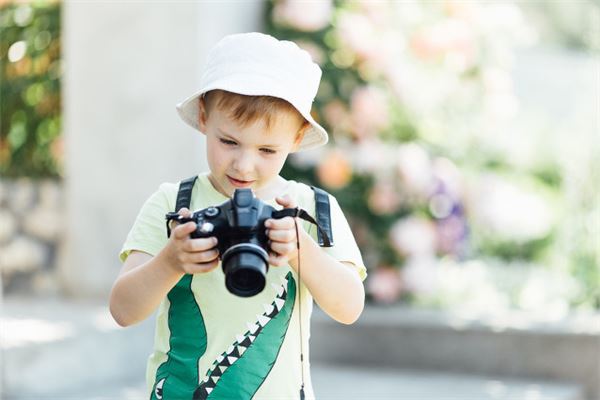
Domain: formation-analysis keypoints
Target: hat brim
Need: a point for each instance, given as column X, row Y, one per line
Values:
column 188, row 110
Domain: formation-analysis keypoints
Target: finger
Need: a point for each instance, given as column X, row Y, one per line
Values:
column 277, row 260
column 282, row 248
column 283, row 223
column 201, row 257
column 200, row 244
column 183, row 231
column 282, row 235
column 201, row 268
column 185, row 212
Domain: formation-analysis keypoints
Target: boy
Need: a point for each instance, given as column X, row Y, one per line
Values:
column 254, row 109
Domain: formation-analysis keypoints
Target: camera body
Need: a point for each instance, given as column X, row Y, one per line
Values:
column 239, row 226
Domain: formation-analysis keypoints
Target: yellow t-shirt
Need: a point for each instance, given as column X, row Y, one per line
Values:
column 213, row 344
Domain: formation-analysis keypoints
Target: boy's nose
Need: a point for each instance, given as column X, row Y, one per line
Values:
column 243, row 165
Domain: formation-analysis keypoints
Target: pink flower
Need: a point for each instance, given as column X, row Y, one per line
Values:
column 307, row 16
column 384, row 198
column 369, row 107
column 451, row 39
column 338, row 117
column 384, row 284
column 356, row 33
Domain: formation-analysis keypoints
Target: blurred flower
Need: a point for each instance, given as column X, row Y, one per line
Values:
column 334, row 170
column 384, row 284
column 338, row 117
column 452, row 235
column 316, row 52
column 547, row 292
column 371, row 156
column 460, row 9
column 307, row 16
column 308, row 159
column 413, row 236
column 441, row 205
column 509, row 211
column 57, row 148
column 384, row 198
column 448, row 173
column 415, row 171
column 452, row 39
column 369, row 108
column 505, row 20
column 420, row 275
column 356, row 33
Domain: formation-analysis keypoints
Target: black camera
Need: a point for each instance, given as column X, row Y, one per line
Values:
column 239, row 226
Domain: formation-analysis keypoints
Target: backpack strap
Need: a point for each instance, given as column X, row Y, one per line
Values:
column 184, row 197
column 323, row 215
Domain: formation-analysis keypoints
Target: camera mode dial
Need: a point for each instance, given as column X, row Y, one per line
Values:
column 211, row 212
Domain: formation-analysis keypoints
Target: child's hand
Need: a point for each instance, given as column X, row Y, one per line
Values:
column 187, row 255
column 282, row 235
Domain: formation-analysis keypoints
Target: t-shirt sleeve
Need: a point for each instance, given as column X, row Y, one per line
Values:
column 149, row 231
column 345, row 248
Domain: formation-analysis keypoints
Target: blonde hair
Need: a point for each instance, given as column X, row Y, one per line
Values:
column 246, row 110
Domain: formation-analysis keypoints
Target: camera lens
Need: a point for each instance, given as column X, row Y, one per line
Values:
column 245, row 267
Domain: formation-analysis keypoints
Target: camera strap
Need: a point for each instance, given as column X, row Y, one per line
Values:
column 324, row 237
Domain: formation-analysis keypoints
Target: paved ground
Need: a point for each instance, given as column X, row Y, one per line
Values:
column 52, row 347
column 347, row 383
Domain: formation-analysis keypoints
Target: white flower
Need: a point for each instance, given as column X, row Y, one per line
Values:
column 414, row 236
column 420, row 275
column 509, row 211
column 415, row 170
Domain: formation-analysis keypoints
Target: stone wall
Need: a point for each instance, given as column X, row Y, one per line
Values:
column 31, row 232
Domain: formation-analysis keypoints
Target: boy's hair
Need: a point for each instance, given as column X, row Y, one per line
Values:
column 246, row 110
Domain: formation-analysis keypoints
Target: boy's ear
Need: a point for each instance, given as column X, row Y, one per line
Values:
column 300, row 135
column 202, row 114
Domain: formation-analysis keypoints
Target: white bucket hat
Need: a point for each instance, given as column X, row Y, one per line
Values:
column 256, row 64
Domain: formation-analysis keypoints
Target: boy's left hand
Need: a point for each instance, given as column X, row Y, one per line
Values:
column 282, row 235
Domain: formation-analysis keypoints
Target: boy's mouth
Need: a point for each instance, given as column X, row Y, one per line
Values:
column 239, row 183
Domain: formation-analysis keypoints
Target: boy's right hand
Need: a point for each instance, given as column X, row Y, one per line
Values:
column 187, row 255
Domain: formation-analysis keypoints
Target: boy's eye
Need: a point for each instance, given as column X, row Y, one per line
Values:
column 226, row 141
column 268, row 151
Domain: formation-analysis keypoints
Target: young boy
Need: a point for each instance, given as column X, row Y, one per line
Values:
column 254, row 109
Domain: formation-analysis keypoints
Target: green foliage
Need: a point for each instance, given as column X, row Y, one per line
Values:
column 30, row 102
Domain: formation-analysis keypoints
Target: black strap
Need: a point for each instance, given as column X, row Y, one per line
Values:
column 184, row 197
column 323, row 215
column 324, row 240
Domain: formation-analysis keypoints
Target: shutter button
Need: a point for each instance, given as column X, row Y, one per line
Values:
column 207, row 227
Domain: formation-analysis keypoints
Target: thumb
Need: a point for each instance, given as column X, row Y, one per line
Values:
column 183, row 231
column 285, row 201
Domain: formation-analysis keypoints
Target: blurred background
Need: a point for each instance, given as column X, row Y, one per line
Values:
column 464, row 149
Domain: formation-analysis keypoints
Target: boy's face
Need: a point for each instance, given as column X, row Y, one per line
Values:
column 247, row 157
